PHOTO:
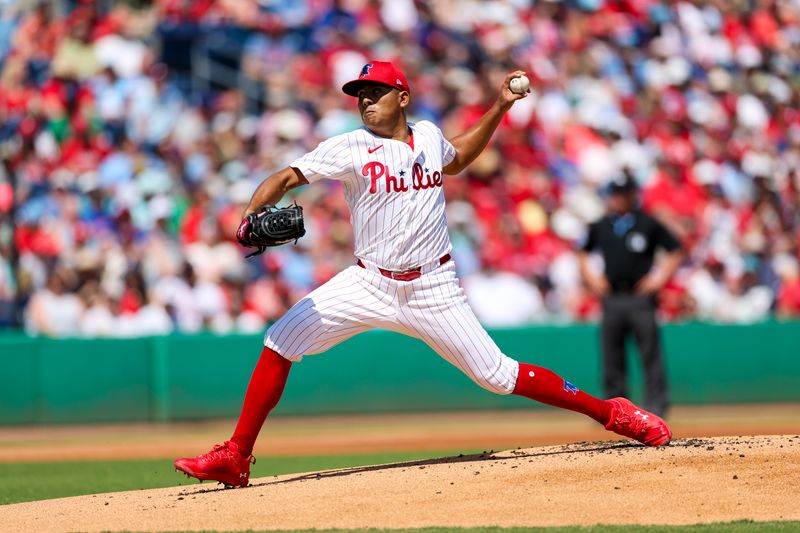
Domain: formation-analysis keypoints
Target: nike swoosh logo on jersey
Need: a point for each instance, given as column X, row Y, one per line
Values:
column 370, row 150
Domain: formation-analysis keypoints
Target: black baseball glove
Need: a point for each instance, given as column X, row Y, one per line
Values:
column 271, row 226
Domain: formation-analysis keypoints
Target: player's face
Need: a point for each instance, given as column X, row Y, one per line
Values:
column 380, row 104
column 621, row 201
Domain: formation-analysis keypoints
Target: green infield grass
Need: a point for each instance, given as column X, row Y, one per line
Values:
column 22, row 482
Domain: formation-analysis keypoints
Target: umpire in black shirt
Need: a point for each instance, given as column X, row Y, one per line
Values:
column 628, row 240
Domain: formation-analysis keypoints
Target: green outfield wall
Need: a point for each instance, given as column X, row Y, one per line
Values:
column 204, row 376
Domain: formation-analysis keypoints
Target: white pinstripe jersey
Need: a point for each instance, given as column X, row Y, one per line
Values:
column 395, row 194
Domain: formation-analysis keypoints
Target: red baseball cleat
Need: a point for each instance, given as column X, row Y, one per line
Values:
column 223, row 463
column 630, row 421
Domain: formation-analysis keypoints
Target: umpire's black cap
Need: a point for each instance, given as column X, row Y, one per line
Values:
column 622, row 184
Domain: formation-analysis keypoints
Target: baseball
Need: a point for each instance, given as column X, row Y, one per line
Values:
column 519, row 85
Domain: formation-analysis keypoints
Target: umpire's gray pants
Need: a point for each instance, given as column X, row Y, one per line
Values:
column 623, row 315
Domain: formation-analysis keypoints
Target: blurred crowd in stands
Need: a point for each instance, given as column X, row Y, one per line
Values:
column 134, row 133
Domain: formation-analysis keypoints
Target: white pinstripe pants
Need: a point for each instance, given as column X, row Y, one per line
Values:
column 432, row 308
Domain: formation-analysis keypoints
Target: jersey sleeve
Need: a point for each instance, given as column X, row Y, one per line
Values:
column 448, row 151
column 330, row 160
column 665, row 238
column 589, row 241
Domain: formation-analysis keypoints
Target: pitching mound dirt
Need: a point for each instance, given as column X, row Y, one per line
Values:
column 690, row 481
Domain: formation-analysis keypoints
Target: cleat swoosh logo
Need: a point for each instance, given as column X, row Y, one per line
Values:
column 371, row 150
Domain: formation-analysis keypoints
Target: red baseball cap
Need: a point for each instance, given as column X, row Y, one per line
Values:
column 382, row 72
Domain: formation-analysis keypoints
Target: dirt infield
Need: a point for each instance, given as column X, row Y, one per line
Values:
column 690, row 481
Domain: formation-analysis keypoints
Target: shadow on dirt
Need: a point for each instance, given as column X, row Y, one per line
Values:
column 589, row 448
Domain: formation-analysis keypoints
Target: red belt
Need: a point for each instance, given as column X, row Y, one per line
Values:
column 405, row 275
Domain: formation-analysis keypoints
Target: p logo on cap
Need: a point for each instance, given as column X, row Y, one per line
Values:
column 383, row 72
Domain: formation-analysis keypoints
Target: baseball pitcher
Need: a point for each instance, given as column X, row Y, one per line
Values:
column 403, row 278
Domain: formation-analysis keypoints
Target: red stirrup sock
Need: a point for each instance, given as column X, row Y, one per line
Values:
column 543, row 385
column 263, row 392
